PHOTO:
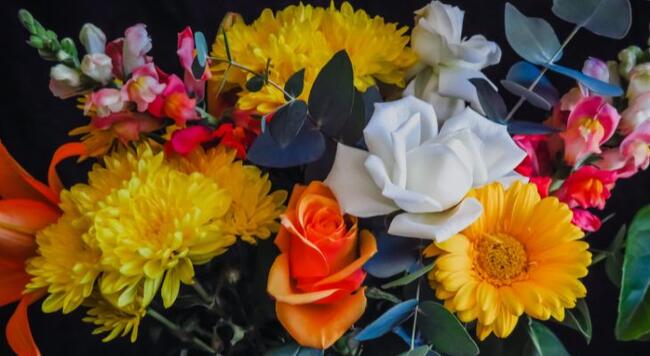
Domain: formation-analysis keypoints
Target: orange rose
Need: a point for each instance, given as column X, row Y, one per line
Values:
column 317, row 277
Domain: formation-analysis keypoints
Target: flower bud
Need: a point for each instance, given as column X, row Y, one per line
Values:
column 628, row 58
column 92, row 38
column 639, row 81
column 97, row 66
column 64, row 81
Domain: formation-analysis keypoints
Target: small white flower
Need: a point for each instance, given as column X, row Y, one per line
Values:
column 64, row 81
column 92, row 38
column 97, row 66
column 639, row 81
column 411, row 166
column 136, row 45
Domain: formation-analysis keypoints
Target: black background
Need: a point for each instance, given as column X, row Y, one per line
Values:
column 33, row 123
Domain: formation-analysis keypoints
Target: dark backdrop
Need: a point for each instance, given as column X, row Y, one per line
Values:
column 33, row 123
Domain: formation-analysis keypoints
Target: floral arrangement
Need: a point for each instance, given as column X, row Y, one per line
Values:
column 294, row 189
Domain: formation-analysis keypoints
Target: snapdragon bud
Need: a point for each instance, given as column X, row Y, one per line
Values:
column 92, row 38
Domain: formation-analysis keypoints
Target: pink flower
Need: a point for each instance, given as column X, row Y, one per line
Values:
column 127, row 126
column 585, row 220
column 537, row 163
column 588, row 187
column 639, row 81
column 136, row 45
column 186, row 56
column 174, row 102
column 185, row 140
column 591, row 123
column 594, row 68
column 104, row 102
column 633, row 153
column 638, row 111
column 143, row 87
column 114, row 51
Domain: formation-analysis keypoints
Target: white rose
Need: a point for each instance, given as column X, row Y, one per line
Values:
column 410, row 166
column 637, row 112
column 97, row 66
column 64, row 81
column 437, row 40
column 92, row 38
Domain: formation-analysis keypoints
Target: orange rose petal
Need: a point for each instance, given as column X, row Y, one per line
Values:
column 319, row 188
column 15, row 182
column 283, row 240
column 296, row 194
column 368, row 249
column 341, row 251
column 19, row 334
column 67, row 150
column 307, row 259
column 320, row 325
column 13, row 279
column 279, row 285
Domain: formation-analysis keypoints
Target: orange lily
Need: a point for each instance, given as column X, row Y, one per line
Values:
column 26, row 206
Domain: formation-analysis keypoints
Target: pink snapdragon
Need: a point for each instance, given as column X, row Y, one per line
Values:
column 186, row 56
column 104, row 102
column 173, row 102
column 585, row 220
column 637, row 112
column 591, row 123
column 136, row 45
column 631, row 156
column 144, row 87
column 588, row 187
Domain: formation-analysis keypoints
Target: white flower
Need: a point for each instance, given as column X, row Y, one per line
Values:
column 92, row 38
column 97, row 66
column 452, row 60
column 639, row 81
column 136, row 45
column 637, row 112
column 65, row 81
column 410, row 166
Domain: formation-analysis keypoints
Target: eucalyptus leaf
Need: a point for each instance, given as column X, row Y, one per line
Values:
column 633, row 320
column 521, row 76
column 444, row 332
column 332, row 94
column 614, row 261
column 411, row 277
column 308, row 146
column 394, row 255
column 592, row 83
column 352, row 131
column 609, row 18
column 295, row 84
column 579, row 319
column 420, row 351
column 545, row 343
column 532, row 38
column 255, row 83
column 201, row 47
column 376, row 293
column 293, row 349
column 529, row 128
column 406, row 333
column 287, row 122
column 393, row 317
column 490, row 100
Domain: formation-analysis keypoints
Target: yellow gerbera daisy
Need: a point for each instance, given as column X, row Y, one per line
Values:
column 522, row 255
column 302, row 36
column 255, row 209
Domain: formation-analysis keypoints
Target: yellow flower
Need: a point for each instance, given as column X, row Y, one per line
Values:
column 254, row 211
column 522, row 255
column 108, row 317
column 302, row 36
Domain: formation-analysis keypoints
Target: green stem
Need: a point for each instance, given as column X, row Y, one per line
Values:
column 202, row 292
column 599, row 257
column 180, row 333
column 541, row 74
column 417, row 298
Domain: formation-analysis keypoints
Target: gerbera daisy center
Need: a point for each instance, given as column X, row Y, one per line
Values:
column 500, row 257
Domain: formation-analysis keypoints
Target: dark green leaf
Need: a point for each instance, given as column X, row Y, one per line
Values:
column 287, row 122
column 201, row 48
column 491, row 102
column 391, row 318
column 545, row 343
column 579, row 319
column 444, row 332
column 609, row 18
column 355, row 123
column 614, row 261
column 332, row 95
column 370, row 97
column 227, row 46
column 295, row 84
column 293, row 349
column 634, row 302
column 420, row 351
column 198, row 69
column 409, row 277
column 307, row 147
column 376, row 293
column 255, row 84
column 532, row 38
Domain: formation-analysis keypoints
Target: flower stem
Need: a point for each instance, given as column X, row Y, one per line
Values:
column 417, row 298
column 202, row 292
column 541, row 74
column 180, row 333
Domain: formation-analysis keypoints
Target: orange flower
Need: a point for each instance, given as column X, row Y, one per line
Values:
column 316, row 278
column 26, row 206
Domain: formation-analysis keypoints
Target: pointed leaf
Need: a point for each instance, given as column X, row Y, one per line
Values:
column 444, row 332
column 593, row 84
column 295, row 84
column 201, row 48
column 332, row 94
column 287, row 122
column 545, row 343
column 529, row 128
column 352, row 130
column 255, row 84
column 307, row 147
column 579, row 319
column 406, row 335
column 609, row 18
column 521, row 76
column 411, row 277
column 376, row 293
column 614, row 261
column 490, row 100
column 633, row 320
column 388, row 321
column 532, row 38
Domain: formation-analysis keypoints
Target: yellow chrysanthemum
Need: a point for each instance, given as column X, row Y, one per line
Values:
column 522, row 255
column 254, row 211
column 116, row 321
column 302, row 36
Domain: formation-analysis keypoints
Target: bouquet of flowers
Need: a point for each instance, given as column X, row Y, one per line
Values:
column 321, row 178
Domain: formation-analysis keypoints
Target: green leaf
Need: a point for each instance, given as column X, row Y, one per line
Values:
column 443, row 331
column 545, row 343
column 287, row 122
column 579, row 319
column 609, row 18
column 226, row 46
column 355, row 123
column 255, row 84
column 409, row 277
column 376, row 293
column 295, row 84
column 634, row 302
column 201, row 46
column 293, row 349
column 424, row 350
column 332, row 95
column 490, row 100
column 614, row 261
column 532, row 38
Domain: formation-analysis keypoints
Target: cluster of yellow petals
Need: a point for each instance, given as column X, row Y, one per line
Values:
column 523, row 255
column 302, row 36
column 141, row 224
